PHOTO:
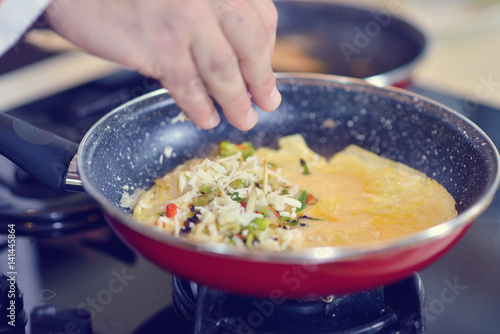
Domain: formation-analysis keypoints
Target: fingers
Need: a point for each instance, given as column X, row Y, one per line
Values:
column 250, row 28
column 269, row 17
column 173, row 47
column 189, row 91
column 208, row 63
column 219, row 69
column 238, row 59
column 187, row 46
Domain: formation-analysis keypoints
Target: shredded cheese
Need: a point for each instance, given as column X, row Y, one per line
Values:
column 180, row 118
column 226, row 196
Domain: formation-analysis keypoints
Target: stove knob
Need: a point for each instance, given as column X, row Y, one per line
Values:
column 53, row 319
column 12, row 315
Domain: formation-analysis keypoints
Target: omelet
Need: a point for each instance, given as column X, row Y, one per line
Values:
column 292, row 198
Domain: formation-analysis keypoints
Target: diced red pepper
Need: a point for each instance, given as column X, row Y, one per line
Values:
column 171, row 210
column 243, row 204
column 310, row 198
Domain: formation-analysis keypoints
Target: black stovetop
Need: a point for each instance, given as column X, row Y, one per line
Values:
column 89, row 274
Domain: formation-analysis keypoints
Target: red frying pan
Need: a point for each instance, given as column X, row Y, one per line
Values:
column 122, row 153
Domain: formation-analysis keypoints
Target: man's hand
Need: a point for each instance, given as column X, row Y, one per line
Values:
column 193, row 47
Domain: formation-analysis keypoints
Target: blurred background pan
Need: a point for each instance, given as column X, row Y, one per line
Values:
column 355, row 41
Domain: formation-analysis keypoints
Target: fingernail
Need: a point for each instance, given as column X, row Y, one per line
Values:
column 214, row 119
column 251, row 118
column 274, row 99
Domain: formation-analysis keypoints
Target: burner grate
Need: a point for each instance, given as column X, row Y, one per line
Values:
column 376, row 311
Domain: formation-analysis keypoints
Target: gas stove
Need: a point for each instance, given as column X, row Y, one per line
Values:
column 77, row 276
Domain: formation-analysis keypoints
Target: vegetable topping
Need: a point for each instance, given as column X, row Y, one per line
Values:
column 234, row 198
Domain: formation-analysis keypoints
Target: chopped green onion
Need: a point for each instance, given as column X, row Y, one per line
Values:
column 206, row 190
column 302, row 199
column 227, row 149
column 238, row 184
column 259, row 222
column 236, row 197
column 250, row 240
column 264, row 212
column 246, row 149
column 305, row 170
column 285, row 219
column 311, row 218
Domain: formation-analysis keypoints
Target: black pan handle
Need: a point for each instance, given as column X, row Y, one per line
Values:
column 42, row 154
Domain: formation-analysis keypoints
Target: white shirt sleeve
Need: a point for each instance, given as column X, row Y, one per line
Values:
column 15, row 17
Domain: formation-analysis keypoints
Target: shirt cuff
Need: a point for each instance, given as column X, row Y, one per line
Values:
column 16, row 16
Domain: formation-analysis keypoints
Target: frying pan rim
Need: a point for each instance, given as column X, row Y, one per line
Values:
column 318, row 254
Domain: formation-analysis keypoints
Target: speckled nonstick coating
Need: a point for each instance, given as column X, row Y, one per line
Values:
column 122, row 152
